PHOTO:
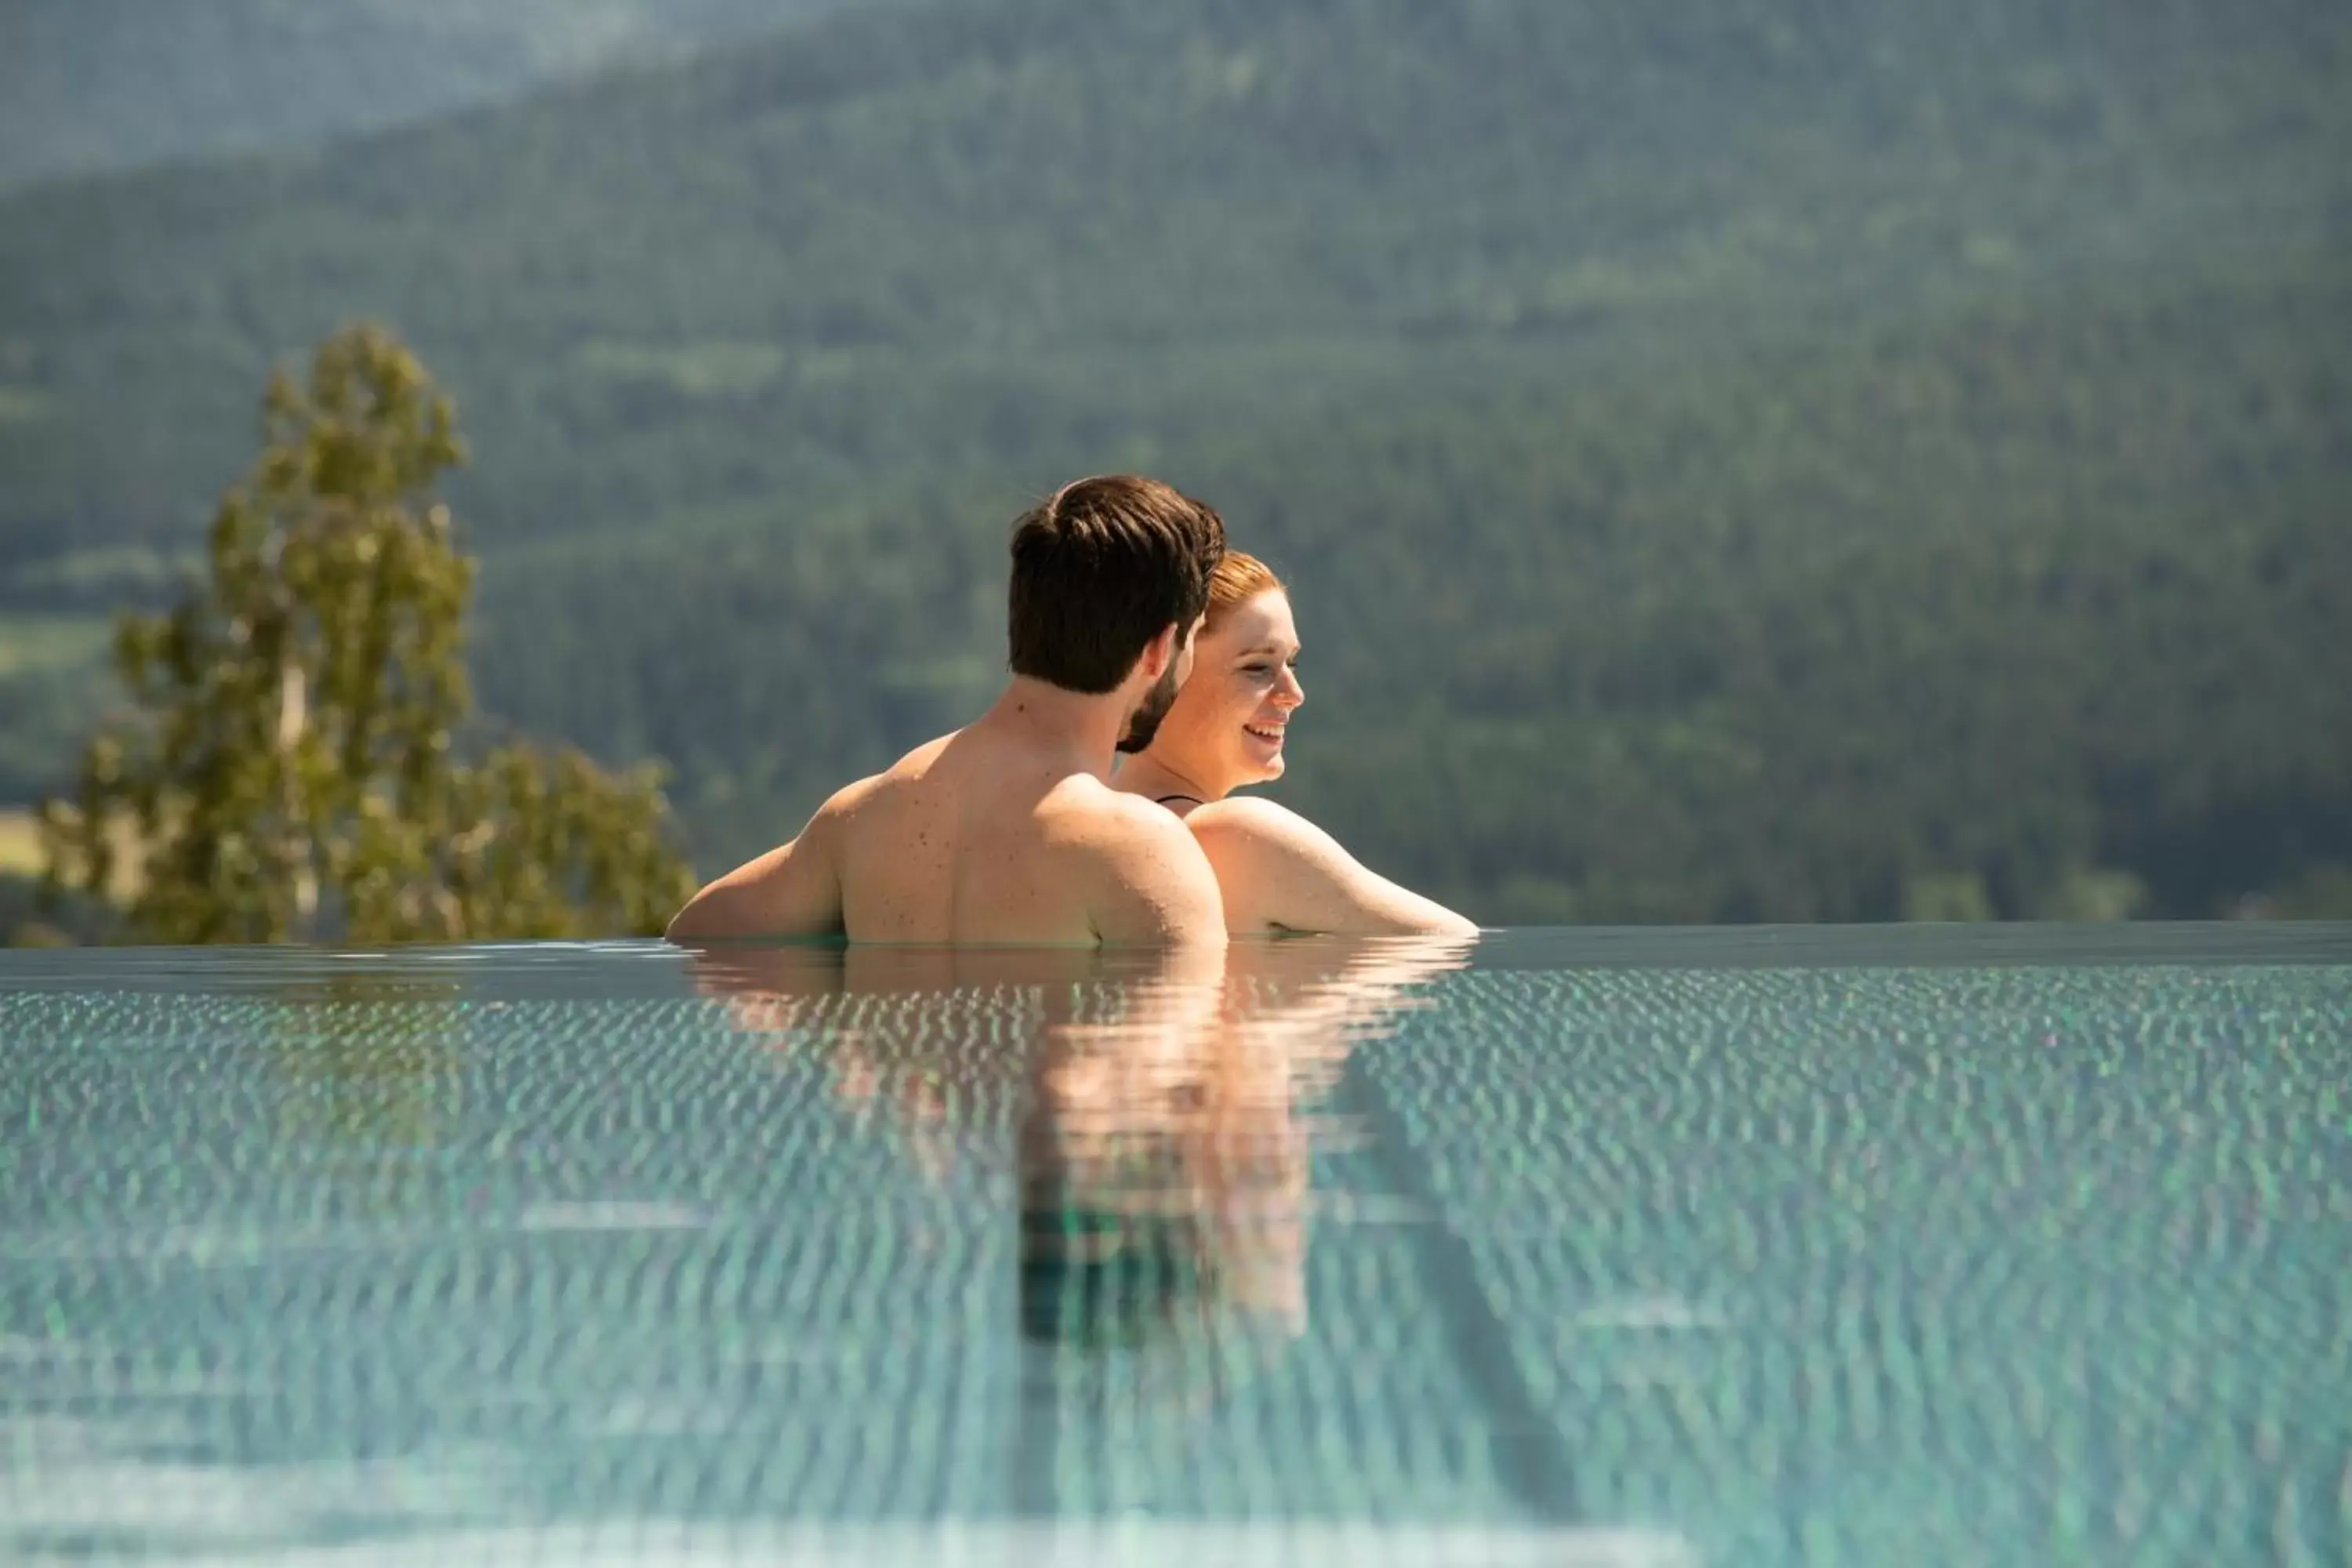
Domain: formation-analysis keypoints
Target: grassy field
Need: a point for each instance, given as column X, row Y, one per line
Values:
column 20, row 843
column 32, row 643
column 20, row 853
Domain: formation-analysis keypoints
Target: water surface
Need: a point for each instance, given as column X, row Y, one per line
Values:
column 1760, row 1246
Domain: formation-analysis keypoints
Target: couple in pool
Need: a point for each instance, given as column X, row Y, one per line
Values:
column 1153, row 673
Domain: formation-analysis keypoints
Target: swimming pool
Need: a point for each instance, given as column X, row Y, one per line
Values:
column 1911, row 1246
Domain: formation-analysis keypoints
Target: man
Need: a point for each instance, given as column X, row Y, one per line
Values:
column 1008, row 830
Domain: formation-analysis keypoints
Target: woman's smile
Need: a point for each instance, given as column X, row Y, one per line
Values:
column 1228, row 723
column 1224, row 731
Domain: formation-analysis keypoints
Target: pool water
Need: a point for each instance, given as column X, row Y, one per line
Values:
column 1905, row 1247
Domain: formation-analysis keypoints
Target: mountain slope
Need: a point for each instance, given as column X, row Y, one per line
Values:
column 1021, row 233
column 101, row 84
column 1726, row 457
column 2045, row 587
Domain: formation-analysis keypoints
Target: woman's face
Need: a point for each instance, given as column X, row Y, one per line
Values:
column 1227, row 726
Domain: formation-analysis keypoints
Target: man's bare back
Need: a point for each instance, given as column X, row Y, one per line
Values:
column 994, row 834
column 1008, row 831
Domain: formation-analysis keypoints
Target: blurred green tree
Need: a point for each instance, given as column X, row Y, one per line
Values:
column 288, row 772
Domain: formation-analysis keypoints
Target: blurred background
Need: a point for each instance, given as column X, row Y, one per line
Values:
column 1744, row 460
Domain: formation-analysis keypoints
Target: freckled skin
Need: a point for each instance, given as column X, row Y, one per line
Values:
column 1006, row 831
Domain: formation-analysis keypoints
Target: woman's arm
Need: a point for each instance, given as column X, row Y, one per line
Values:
column 1280, row 872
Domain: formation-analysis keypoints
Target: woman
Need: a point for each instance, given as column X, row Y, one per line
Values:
column 1279, row 871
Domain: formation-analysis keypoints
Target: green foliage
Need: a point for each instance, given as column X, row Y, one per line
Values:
column 48, row 681
column 2089, row 894
column 2322, row 893
column 289, row 774
column 1945, row 896
column 32, row 916
column 1734, row 462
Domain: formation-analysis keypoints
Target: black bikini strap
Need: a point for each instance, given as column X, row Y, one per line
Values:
column 1164, row 799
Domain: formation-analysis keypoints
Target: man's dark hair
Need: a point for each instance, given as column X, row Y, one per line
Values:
column 1099, row 569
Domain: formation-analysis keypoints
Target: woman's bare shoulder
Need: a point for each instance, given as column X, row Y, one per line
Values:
column 1280, row 870
column 1251, row 816
column 1270, row 860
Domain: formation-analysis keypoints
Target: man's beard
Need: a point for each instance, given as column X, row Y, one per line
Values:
column 1146, row 721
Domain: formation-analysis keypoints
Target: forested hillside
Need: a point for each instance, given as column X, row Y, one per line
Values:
column 87, row 85
column 1780, row 460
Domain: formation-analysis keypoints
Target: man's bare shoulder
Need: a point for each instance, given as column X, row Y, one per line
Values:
column 1083, row 809
column 917, row 763
column 1148, row 877
column 873, row 796
column 794, row 890
column 840, row 810
column 908, row 772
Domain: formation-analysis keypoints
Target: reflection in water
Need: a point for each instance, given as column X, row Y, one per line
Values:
column 370, row 1062
column 1685, row 1256
column 1165, row 1102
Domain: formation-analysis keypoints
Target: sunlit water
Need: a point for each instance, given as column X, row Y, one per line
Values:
column 1903, row 1247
